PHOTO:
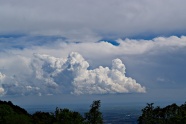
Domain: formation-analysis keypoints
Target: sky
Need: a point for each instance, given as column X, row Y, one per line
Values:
column 118, row 51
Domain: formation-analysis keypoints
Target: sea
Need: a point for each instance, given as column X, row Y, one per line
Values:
column 112, row 113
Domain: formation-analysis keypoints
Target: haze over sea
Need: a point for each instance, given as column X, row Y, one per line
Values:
column 120, row 113
column 112, row 114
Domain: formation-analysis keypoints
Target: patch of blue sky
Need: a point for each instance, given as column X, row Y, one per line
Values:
column 11, row 36
column 113, row 42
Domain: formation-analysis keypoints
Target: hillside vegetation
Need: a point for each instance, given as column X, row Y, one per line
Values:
column 171, row 114
column 13, row 114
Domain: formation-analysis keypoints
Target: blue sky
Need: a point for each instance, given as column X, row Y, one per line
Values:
column 129, row 51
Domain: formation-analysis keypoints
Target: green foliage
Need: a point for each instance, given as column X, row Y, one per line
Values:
column 94, row 116
column 43, row 118
column 65, row 116
column 17, row 119
column 12, row 114
column 171, row 114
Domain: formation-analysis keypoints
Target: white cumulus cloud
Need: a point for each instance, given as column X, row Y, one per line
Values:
column 105, row 80
column 73, row 76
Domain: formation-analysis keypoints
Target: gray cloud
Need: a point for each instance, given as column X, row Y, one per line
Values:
column 91, row 20
column 52, row 71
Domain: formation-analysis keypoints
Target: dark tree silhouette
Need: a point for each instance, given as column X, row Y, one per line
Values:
column 94, row 116
column 65, row 116
column 43, row 118
column 171, row 114
column 13, row 114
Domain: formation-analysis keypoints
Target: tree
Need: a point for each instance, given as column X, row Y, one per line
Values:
column 65, row 116
column 94, row 116
column 43, row 118
column 147, row 115
column 171, row 114
column 12, row 114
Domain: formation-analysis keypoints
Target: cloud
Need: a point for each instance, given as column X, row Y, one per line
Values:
column 73, row 74
column 161, row 79
column 1, row 90
column 51, row 75
column 104, row 80
column 2, row 76
column 93, row 50
column 53, row 71
column 91, row 20
column 132, row 46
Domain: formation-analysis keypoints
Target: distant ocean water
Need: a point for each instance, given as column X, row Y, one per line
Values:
column 111, row 114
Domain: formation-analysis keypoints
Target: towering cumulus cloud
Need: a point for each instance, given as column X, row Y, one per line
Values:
column 71, row 75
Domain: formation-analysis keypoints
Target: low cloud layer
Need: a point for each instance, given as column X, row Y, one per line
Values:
column 71, row 75
column 53, row 71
